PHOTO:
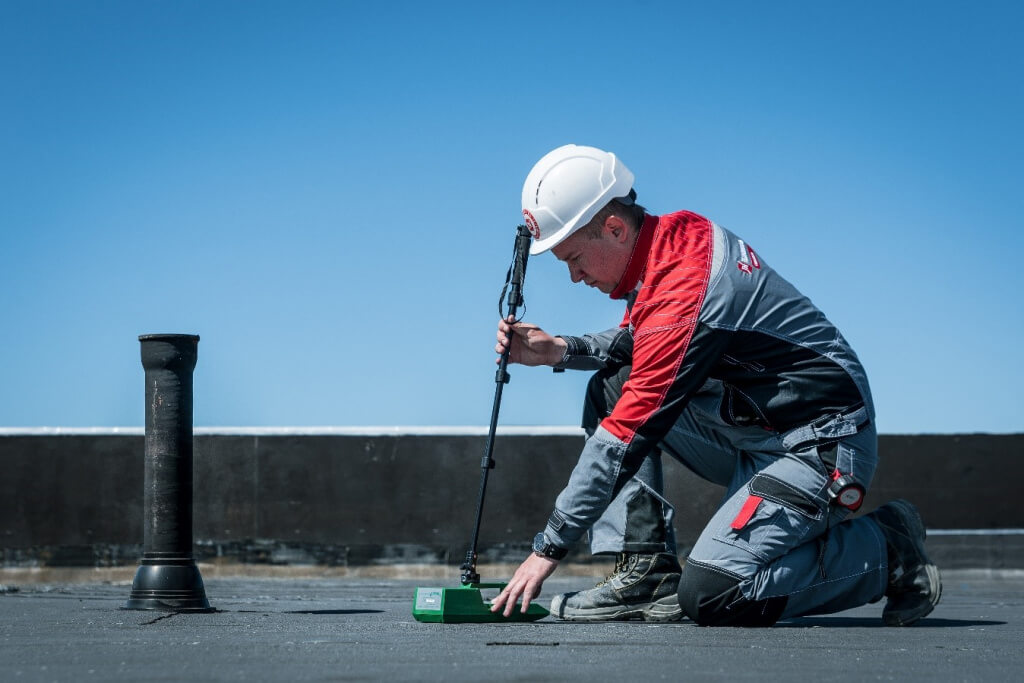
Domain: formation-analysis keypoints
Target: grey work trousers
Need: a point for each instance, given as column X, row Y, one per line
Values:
column 787, row 553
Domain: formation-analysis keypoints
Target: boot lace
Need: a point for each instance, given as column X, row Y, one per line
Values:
column 621, row 567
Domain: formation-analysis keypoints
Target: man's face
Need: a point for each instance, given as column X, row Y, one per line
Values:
column 597, row 262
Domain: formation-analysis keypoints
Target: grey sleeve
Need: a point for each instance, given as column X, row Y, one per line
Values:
column 595, row 351
column 591, row 487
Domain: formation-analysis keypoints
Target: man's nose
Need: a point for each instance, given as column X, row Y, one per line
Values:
column 575, row 274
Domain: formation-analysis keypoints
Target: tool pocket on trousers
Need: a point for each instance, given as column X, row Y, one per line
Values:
column 774, row 518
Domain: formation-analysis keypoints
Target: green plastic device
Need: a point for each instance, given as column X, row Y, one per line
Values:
column 466, row 605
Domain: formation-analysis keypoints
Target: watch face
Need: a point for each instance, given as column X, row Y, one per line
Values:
column 539, row 541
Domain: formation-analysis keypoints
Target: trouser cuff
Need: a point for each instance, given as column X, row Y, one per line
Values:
column 643, row 548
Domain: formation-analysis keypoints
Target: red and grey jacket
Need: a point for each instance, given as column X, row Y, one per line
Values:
column 702, row 305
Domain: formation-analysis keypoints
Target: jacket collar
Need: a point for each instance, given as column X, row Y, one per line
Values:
column 638, row 259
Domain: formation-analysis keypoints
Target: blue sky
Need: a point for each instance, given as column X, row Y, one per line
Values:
column 327, row 193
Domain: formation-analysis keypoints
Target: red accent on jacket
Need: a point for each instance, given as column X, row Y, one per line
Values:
column 672, row 257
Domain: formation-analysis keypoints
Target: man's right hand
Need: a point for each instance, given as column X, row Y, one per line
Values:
column 530, row 344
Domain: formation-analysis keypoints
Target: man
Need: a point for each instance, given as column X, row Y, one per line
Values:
column 726, row 367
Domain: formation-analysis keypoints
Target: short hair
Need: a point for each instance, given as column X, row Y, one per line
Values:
column 631, row 213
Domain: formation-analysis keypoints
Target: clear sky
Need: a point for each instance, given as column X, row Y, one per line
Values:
column 327, row 193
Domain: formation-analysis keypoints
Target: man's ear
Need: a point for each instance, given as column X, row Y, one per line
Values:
column 616, row 228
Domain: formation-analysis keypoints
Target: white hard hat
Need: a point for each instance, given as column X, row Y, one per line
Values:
column 567, row 188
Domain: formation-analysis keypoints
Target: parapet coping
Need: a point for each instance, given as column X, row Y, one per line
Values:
column 370, row 430
column 538, row 430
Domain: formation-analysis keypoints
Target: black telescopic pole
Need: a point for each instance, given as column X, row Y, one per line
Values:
column 501, row 377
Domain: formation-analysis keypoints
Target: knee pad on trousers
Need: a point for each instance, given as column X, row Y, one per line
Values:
column 711, row 597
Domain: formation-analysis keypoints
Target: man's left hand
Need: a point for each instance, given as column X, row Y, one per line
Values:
column 525, row 583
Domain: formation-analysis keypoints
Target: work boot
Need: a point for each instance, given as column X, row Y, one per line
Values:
column 641, row 587
column 914, row 583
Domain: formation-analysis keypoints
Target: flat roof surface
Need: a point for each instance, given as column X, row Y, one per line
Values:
column 331, row 629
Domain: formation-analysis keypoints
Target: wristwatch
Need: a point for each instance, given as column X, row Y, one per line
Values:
column 545, row 548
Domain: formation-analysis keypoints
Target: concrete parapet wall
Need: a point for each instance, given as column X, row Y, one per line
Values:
column 350, row 496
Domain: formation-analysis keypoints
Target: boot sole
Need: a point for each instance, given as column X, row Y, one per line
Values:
column 664, row 610
column 661, row 611
column 908, row 616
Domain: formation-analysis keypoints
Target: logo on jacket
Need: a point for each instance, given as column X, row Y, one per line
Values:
column 748, row 259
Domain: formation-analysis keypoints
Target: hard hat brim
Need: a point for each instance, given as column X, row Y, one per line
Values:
column 551, row 241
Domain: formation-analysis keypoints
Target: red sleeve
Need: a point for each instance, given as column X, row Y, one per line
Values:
column 665, row 372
